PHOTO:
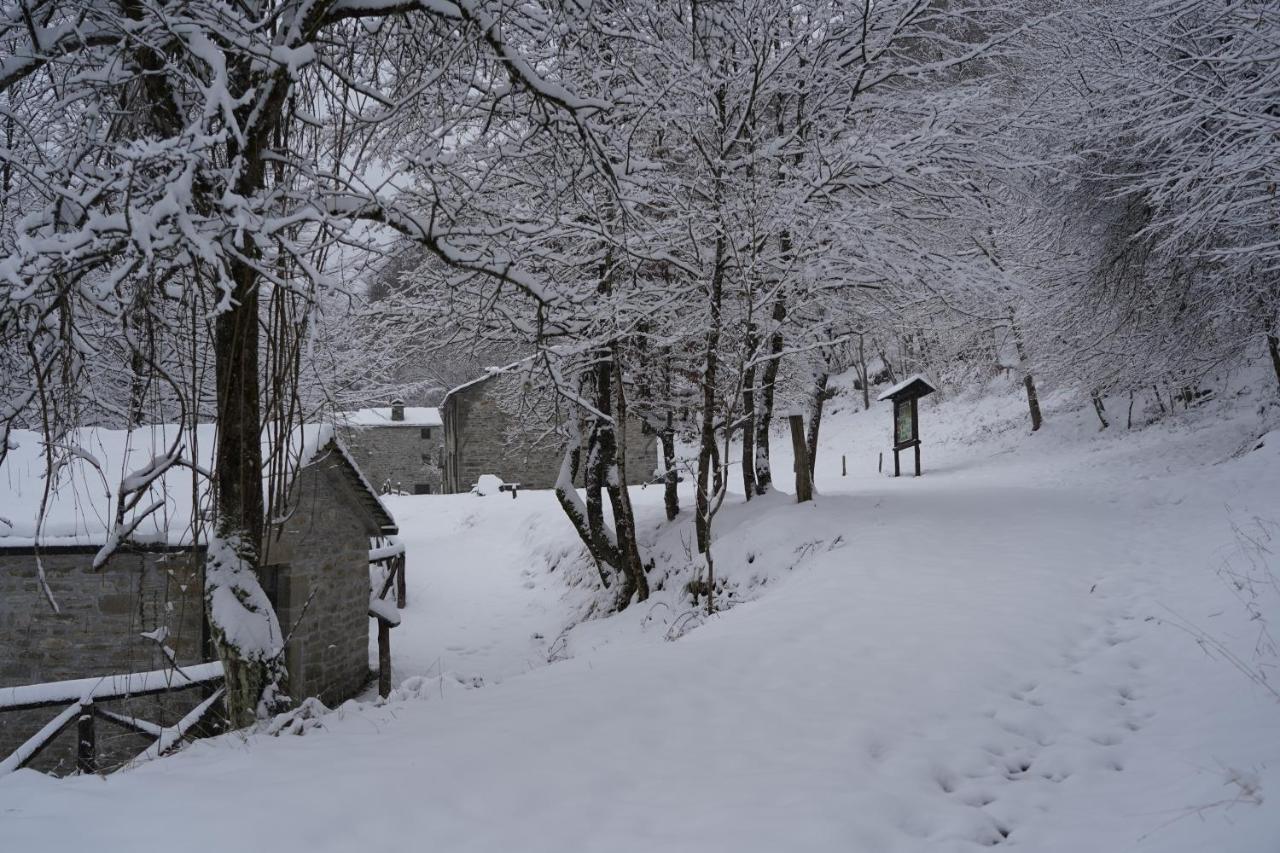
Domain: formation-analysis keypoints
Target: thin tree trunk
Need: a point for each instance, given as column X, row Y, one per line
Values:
column 1028, row 381
column 820, row 397
column 575, row 509
column 600, row 454
column 1099, row 408
column 866, row 379
column 764, row 411
column 624, row 520
column 1273, row 346
column 707, row 439
column 671, row 476
column 749, row 425
column 888, row 368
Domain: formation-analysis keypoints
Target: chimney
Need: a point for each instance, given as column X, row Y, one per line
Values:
column 397, row 410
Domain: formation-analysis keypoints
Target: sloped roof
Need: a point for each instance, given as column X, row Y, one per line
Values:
column 916, row 385
column 366, row 493
column 493, row 371
column 81, row 503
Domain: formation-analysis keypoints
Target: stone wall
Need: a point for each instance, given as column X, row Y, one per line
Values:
column 318, row 572
column 322, row 593
column 397, row 458
column 482, row 437
column 96, row 632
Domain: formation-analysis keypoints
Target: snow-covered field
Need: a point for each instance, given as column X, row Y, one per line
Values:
column 1027, row 647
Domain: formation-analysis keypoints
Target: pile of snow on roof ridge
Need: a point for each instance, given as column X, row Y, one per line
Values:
column 915, row 377
column 381, row 416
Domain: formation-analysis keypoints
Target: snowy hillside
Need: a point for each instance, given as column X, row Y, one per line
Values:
column 1035, row 645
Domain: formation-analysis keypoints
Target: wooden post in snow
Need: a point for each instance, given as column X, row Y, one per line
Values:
column 398, row 568
column 86, row 741
column 384, row 658
column 804, row 484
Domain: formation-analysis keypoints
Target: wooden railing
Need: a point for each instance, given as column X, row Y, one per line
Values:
column 391, row 557
column 83, row 696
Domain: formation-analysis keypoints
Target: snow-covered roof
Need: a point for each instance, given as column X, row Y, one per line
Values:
column 490, row 372
column 82, row 498
column 907, row 383
column 417, row 416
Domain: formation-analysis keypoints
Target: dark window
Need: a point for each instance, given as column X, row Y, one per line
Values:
column 426, row 432
column 422, row 488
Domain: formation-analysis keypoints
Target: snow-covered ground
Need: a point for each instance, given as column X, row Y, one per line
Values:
column 1026, row 647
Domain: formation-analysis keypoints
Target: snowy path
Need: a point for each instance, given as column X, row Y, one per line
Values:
column 476, row 605
column 981, row 657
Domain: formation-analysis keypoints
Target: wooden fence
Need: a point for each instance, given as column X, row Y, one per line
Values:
column 81, row 696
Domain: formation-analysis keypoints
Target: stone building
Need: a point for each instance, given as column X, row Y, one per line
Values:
column 482, row 435
column 317, row 576
column 400, row 448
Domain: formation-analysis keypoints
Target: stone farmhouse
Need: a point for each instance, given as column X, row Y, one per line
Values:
column 400, row 448
column 115, row 619
column 482, row 435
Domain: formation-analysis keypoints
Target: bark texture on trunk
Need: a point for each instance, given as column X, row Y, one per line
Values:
column 671, row 476
column 707, row 450
column 1028, row 381
column 764, row 409
column 749, row 428
column 635, row 584
column 1273, row 346
column 254, row 675
column 1100, row 409
column 820, row 397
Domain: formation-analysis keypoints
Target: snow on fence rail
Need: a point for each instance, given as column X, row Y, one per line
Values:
column 83, row 710
column 388, row 554
column 28, row 696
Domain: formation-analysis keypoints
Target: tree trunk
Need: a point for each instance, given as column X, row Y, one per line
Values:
column 573, row 506
column 820, row 397
column 624, row 521
column 254, row 674
column 749, row 426
column 1028, row 382
column 866, row 379
column 1099, row 408
column 707, row 439
column 888, row 368
column 764, row 412
column 804, row 484
column 671, row 476
column 1273, row 346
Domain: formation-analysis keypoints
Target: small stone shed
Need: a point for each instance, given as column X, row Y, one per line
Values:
column 400, row 448
column 317, row 576
column 483, row 436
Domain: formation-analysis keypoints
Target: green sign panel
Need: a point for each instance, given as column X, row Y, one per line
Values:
column 904, row 429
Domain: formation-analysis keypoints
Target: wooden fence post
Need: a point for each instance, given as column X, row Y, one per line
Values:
column 398, row 568
column 384, row 658
column 804, row 485
column 86, row 741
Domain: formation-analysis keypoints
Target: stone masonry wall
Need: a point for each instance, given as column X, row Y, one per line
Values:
column 485, row 439
column 322, row 594
column 397, row 458
column 327, row 547
column 96, row 633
